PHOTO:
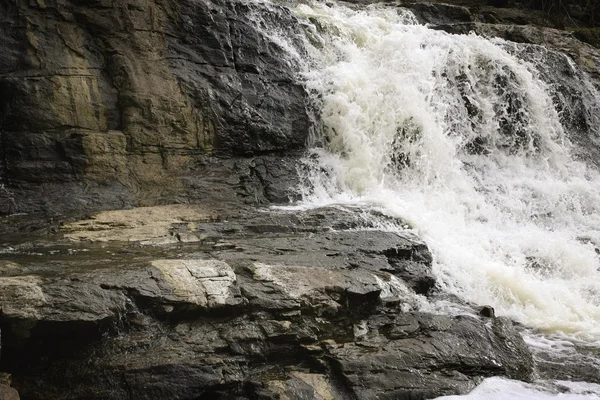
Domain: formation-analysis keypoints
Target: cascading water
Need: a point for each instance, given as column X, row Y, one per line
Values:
column 469, row 140
column 461, row 138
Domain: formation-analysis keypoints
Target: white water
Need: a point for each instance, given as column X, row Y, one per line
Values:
column 505, row 389
column 459, row 138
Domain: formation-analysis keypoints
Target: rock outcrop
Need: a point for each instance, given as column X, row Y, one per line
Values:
column 267, row 305
column 129, row 103
column 147, row 102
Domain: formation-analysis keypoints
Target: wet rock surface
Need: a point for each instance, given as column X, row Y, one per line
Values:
column 152, row 102
column 567, row 361
column 143, row 102
column 300, row 304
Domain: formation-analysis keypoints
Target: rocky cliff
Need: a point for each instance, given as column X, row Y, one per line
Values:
column 111, row 104
column 185, row 302
column 108, row 104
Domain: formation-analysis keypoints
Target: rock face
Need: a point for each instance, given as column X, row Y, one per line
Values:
column 270, row 305
column 148, row 102
column 129, row 103
column 124, row 103
column 8, row 393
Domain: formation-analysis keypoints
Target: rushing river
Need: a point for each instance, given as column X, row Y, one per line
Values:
column 469, row 141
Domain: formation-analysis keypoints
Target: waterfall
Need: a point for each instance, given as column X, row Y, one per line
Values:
column 473, row 143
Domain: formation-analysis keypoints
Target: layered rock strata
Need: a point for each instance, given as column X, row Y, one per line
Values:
column 313, row 305
column 137, row 102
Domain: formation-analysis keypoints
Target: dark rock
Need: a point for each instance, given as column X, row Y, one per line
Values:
column 487, row 312
column 589, row 35
column 577, row 363
column 117, row 104
column 413, row 268
column 251, row 305
column 499, row 3
column 387, row 370
column 432, row 13
column 153, row 102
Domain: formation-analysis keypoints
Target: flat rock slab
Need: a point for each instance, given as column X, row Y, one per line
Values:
column 148, row 225
column 206, row 283
column 277, row 304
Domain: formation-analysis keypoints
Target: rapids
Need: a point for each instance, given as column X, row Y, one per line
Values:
column 472, row 142
column 460, row 138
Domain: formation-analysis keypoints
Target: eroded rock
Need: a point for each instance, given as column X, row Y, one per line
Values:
column 265, row 305
column 129, row 104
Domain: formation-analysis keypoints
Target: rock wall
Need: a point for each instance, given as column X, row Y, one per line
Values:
column 112, row 104
column 108, row 104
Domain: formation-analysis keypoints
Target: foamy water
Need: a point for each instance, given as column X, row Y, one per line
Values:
column 460, row 138
column 506, row 389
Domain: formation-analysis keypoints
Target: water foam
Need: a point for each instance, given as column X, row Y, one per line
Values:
column 506, row 389
column 460, row 137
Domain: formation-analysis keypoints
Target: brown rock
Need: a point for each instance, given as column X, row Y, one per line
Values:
column 118, row 103
column 8, row 393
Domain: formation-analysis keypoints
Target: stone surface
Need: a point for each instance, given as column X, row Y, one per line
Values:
column 260, row 305
column 110, row 105
column 406, row 365
column 148, row 102
column 206, row 283
column 146, row 224
column 123, row 104
column 8, row 393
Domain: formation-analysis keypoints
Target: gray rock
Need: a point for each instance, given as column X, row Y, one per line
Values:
column 432, row 13
column 205, row 283
column 154, row 102
column 487, row 311
column 429, row 356
column 262, row 305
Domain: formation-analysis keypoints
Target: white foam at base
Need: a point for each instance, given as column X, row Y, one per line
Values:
column 506, row 389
